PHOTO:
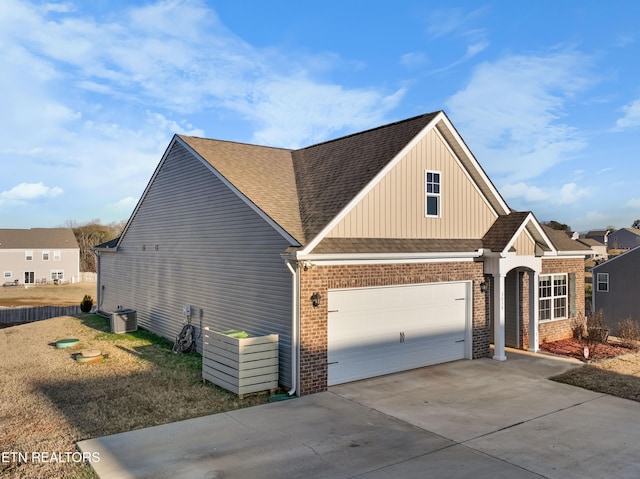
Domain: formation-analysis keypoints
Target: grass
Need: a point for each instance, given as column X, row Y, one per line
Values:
column 46, row 295
column 619, row 376
column 48, row 401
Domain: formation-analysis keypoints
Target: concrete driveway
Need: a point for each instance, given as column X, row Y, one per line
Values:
column 467, row 419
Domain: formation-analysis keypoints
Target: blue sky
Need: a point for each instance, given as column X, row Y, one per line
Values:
column 546, row 94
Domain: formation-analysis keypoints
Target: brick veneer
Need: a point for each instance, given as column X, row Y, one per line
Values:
column 561, row 329
column 313, row 321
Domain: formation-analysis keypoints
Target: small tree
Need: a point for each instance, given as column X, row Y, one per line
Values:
column 636, row 224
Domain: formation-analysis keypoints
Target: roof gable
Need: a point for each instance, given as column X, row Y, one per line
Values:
column 264, row 175
column 330, row 175
column 629, row 255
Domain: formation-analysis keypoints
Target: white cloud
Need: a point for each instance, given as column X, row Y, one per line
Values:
column 567, row 194
column 633, row 203
column 454, row 21
column 30, row 191
column 524, row 191
column 511, row 111
column 631, row 116
column 413, row 59
column 570, row 193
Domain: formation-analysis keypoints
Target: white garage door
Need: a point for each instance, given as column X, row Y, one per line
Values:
column 381, row 330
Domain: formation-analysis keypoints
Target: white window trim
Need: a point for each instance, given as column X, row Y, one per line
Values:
column 437, row 195
column 57, row 255
column 605, row 282
column 56, row 274
column 8, row 274
column 28, row 255
column 553, row 297
column 47, row 256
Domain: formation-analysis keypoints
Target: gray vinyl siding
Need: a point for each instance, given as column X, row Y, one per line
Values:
column 622, row 300
column 194, row 242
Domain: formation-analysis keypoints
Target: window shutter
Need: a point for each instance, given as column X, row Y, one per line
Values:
column 572, row 295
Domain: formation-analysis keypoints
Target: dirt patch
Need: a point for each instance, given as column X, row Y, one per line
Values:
column 46, row 295
column 48, row 401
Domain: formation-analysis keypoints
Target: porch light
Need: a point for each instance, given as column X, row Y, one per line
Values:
column 483, row 287
column 315, row 299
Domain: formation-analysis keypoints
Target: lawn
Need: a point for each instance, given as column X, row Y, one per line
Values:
column 618, row 376
column 48, row 401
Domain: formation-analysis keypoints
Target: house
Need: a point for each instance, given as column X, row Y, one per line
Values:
column 625, row 238
column 381, row 251
column 615, row 287
column 601, row 236
column 39, row 256
column 598, row 251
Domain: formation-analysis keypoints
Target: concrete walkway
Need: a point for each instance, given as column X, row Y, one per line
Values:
column 467, row 419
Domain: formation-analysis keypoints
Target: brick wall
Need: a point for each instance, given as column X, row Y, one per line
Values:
column 561, row 329
column 313, row 321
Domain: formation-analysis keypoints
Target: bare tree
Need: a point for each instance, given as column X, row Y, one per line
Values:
column 91, row 234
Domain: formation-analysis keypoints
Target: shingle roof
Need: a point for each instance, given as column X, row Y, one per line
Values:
column 41, row 238
column 562, row 240
column 386, row 245
column 303, row 190
column 503, row 230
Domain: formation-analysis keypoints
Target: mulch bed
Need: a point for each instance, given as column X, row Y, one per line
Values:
column 574, row 348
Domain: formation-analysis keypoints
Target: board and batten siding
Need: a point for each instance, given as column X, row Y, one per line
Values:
column 395, row 207
column 194, row 242
column 524, row 245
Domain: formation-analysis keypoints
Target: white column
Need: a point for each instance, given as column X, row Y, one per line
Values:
column 534, row 311
column 499, row 318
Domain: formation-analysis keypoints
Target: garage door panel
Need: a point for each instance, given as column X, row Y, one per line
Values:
column 374, row 331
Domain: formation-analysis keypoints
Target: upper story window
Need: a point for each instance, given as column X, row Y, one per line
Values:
column 602, row 280
column 45, row 256
column 28, row 255
column 56, row 256
column 432, row 188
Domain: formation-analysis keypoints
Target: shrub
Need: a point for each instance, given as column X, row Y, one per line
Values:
column 578, row 325
column 628, row 332
column 86, row 304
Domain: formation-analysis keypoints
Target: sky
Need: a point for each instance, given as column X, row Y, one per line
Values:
column 545, row 94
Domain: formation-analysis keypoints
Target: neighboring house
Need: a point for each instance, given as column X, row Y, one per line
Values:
column 625, row 238
column 598, row 251
column 377, row 252
column 39, row 256
column 601, row 236
column 615, row 287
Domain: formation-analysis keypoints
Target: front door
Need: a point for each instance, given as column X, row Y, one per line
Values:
column 29, row 277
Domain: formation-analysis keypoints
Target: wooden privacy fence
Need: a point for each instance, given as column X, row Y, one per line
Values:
column 35, row 313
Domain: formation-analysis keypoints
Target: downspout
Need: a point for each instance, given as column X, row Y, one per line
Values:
column 295, row 322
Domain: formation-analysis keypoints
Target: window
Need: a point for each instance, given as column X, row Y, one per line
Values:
column 432, row 193
column 45, row 256
column 7, row 274
column 57, row 274
column 553, row 297
column 602, row 280
column 56, row 256
column 28, row 255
